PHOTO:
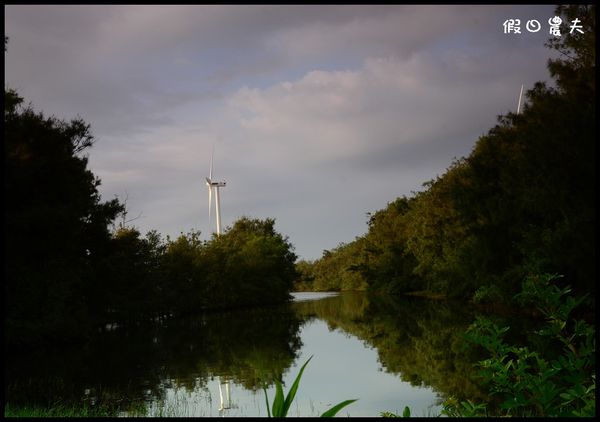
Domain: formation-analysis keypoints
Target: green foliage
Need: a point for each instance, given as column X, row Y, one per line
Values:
column 536, row 382
column 249, row 264
column 405, row 413
column 335, row 409
column 465, row 409
column 128, row 277
column 306, row 277
column 574, row 67
column 388, row 415
column 440, row 237
column 386, row 263
column 58, row 411
column 335, row 271
column 260, row 262
column 488, row 294
column 56, row 227
column 281, row 405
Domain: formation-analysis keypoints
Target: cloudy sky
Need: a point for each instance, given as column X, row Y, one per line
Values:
column 317, row 114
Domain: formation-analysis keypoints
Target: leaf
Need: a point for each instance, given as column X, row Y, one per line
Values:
column 281, row 405
column 267, row 400
column 292, row 393
column 278, row 401
column 332, row 412
column 406, row 413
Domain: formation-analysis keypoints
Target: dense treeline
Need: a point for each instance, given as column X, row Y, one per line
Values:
column 250, row 264
column 521, row 203
column 67, row 272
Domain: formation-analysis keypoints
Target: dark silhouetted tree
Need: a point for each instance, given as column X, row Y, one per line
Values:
column 55, row 222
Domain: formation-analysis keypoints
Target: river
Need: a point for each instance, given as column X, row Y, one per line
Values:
column 387, row 353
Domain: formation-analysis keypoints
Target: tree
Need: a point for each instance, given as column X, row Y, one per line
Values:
column 256, row 262
column 129, row 278
column 249, row 264
column 306, row 277
column 55, row 223
column 575, row 68
column 387, row 263
column 185, row 274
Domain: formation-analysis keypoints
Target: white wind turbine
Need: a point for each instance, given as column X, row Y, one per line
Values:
column 214, row 186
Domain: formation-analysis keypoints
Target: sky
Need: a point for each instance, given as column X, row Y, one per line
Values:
column 317, row 114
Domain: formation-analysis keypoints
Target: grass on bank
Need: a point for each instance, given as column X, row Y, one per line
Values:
column 58, row 410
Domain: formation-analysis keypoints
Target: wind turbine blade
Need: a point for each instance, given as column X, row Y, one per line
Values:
column 211, row 162
column 520, row 96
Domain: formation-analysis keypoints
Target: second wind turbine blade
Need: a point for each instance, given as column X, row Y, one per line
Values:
column 212, row 156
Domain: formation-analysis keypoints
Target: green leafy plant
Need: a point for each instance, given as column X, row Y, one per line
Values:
column 530, row 382
column 488, row 294
column 282, row 404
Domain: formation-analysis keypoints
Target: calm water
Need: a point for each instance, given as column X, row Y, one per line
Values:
column 387, row 354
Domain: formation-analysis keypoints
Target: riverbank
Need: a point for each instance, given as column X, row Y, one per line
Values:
column 59, row 411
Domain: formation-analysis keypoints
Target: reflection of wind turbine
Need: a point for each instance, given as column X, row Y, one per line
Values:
column 520, row 96
column 226, row 404
column 214, row 185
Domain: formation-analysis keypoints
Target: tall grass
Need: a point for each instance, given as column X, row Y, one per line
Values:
column 59, row 410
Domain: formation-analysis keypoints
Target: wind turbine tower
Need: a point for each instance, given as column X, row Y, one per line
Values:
column 212, row 185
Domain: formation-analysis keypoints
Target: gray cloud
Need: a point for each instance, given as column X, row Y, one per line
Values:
column 319, row 114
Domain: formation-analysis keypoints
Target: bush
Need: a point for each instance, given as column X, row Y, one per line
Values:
column 537, row 383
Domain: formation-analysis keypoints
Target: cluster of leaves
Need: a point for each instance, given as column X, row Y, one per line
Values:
column 249, row 264
column 521, row 203
column 539, row 382
column 536, row 382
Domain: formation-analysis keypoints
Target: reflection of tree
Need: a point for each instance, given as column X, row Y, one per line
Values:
column 129, row 365
column 422, row 341
column 334, row 309
column 418, row 339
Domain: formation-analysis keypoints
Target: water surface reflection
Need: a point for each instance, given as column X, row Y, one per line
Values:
column 387, row 353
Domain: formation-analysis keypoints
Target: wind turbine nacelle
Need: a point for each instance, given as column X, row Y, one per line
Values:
column 219, row 184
